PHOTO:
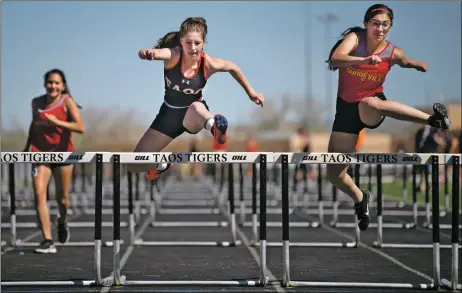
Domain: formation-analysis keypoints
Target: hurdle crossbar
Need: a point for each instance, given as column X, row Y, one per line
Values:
column 120, row 280
column 284, row 160
column 99, row 159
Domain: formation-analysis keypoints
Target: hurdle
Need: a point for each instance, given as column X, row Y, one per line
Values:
column 379, row 243
column 14, row 224
column 15, row 242
column 182, row 202
column 215, row 157
column 355, row 158
column 73, row 158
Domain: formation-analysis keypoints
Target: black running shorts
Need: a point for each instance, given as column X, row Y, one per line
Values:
column 347, row 117
column 169, row 121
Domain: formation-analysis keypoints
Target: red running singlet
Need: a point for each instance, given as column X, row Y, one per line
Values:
column 51, row 138
column 357, row 82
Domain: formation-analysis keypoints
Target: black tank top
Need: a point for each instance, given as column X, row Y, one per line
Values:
column 180, row 91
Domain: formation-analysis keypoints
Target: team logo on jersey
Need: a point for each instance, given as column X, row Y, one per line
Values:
column 187, row 91
column 364, row 75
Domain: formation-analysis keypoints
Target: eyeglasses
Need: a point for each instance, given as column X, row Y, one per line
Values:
column 386, row 24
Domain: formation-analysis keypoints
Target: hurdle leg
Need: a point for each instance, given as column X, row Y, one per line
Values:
column 12, row 190
column 254, row 203
column 263, row 278
column 285, row 221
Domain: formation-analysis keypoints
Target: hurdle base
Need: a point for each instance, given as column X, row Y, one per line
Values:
column 69, row 224
column 312, row 244
column 360, row 285
column 190, row 224
column 448, row 285
column 291, row 224
column 373, row 225
column 375, row 244
column 19, row 243
column 141, row 242
column 238, row 283
column 72, row 283
column 442, row 226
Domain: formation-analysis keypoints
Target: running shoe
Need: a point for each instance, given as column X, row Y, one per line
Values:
column 46, row 246
column 362, row 211
column 154, row 173
column 219, row 128
column 439, row 119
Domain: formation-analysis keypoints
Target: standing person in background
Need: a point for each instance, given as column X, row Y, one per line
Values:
column 251, row 146
column 300, row 142
column 196, row 168
column 55, row 115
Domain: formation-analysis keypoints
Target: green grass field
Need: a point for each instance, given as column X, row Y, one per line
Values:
column 394, row 191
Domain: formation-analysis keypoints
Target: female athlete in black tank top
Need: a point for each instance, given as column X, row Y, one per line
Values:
column 186, row 71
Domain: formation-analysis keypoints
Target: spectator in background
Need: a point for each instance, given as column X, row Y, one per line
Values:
column 251, row 146
column 300, row 142
column 428, row 140
column 196, row 168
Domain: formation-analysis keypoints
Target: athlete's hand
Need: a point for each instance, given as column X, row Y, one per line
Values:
column 421, row 66
column 52, row 118
column 146, row 54
column 373, row 60
column 257, row 98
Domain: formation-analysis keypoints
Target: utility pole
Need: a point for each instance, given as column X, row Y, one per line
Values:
column 327, row 19
column 308, row 59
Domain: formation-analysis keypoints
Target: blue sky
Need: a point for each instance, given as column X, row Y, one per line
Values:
column 96, row 44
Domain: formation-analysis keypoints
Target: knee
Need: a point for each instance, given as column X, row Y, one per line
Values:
column 372, row 103
column 195, row 107
column 334, row 173
column 41, row 197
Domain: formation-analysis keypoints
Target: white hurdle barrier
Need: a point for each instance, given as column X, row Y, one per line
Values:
column 284, row 159
column 335, row 158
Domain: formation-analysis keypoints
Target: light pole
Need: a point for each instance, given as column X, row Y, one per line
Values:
column 327, row 19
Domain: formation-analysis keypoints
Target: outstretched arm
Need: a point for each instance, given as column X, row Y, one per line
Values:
column 218, row 65
column 400, row 59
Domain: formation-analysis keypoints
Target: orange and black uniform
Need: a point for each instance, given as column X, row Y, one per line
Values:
column 357, row 82
column 180, row 93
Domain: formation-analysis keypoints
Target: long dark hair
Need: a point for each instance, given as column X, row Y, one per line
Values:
column 172, row 39
column 370, row 13
column 63, row 78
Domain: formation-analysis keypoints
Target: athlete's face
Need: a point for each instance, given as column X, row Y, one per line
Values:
column 54, row 85
column 378, row 27
column 192, row 43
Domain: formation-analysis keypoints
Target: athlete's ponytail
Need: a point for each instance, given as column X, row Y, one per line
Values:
column 170, row 40
column 355, row 29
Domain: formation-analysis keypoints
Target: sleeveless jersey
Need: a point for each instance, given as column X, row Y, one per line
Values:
column 357, row 82
column 181, row 92
column 50, row 138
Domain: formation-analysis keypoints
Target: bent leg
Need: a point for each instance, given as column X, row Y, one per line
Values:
column 337, row 174
column 151, row 141
column 371, row 107
column 198, row 117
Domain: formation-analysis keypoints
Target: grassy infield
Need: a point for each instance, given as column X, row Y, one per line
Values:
column 393, row 191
